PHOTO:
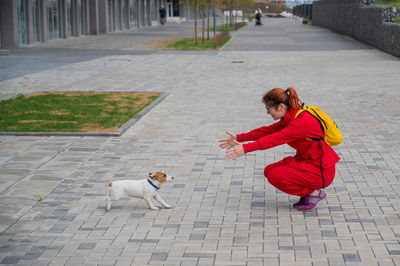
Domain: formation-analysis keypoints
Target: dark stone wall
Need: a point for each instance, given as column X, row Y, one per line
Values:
column 362, row 23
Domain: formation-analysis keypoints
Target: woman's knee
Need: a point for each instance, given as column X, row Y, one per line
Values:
column 267, row 170
column 271, row 174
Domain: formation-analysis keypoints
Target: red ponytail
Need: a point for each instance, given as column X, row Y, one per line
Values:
column 288, row 97
column 294, row 100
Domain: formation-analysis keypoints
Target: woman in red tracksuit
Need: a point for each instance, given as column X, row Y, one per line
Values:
column 313, row 166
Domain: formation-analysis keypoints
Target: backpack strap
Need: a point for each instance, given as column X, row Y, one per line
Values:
column 322, row 127
column 316, row 139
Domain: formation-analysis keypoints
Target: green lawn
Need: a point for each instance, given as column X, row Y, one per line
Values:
column 71, row 111
column 188, row 44
column 388, row 3
column 223, row 28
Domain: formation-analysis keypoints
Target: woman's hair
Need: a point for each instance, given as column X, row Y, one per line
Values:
column 288, row 97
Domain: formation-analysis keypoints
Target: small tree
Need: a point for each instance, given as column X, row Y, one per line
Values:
column 195, row 22
column 209, row 4
column 202, row 7
column 246, row 5
column 196, row 5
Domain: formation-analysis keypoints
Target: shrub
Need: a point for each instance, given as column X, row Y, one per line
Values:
column 220, row 38
column 239, row 25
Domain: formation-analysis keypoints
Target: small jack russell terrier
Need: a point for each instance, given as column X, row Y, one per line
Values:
column 144, row 189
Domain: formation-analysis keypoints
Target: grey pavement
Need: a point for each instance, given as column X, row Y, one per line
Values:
column 224, row 212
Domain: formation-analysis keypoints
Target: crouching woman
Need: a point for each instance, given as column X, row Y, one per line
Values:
column 313, row 166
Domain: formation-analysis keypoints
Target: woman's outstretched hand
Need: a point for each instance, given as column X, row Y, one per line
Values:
column 235, row 148
column 229, row 142
column 235, row 152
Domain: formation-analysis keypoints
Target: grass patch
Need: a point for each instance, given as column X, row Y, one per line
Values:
column 223, row 28
column 71, row 111
column 160, row 43
column 188, row 44
column 397, row 20
column 227, row 27
column 224, row 42
column 239, row 25
column 387, row 3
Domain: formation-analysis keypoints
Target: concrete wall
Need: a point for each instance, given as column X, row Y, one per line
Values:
column 362, row 23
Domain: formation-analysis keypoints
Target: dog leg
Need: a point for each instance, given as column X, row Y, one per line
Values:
column 108, row 199
column 151, row 205
column 163, row 203
column 108, row 204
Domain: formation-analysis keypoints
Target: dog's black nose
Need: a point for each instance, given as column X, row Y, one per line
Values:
column 172, row 177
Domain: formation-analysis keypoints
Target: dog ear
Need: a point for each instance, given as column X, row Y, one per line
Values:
column 150, row 174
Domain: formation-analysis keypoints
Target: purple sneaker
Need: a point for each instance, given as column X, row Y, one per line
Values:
column 311, row 202
column 301, row 201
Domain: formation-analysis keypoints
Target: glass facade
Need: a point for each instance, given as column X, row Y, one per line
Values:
column 176, row 8
column 70, row 18
column 110, row 15
column 145, row 15
column 21, row 22
column 65, row 18
column 153, row 15
column 82, row 16
column 54, row 25
column 116, row 15
column 125, row 21
column 133, row 13
column 36, row 20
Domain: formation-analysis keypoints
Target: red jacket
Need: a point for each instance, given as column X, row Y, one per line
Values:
column 293, row 132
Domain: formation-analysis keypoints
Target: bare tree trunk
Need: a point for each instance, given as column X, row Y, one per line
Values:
column 231, row 13
column 195, row 23
column 202, row 20
column 208, row 23
column 224, row 13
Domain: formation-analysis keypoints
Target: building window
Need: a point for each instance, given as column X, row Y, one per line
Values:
column 133, row 13
column 176, row 8
column 36, row 20
column 70, row 16
column 125, row 21
column 110, row 15
column 145, row 15
column 116, row 15
column 54, row 19
column 153, row 14
column 82, row 16
column 21, row 22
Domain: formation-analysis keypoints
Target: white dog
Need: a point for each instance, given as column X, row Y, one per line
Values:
column 144, row 189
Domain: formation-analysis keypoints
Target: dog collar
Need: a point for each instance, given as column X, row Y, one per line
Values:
column 151, row 183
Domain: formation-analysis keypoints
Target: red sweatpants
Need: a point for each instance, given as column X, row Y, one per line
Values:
column 296, row 178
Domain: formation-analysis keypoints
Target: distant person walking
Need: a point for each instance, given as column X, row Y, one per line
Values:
column 163, row 15
column 258, row 14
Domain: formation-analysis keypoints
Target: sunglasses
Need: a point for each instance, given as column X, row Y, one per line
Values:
column 269, row 108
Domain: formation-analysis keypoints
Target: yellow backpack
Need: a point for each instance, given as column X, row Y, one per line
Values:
column 332, row 135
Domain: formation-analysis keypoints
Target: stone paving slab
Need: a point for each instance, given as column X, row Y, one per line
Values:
column 224, row 212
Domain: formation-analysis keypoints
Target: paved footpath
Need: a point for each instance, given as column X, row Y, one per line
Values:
column 224, row 212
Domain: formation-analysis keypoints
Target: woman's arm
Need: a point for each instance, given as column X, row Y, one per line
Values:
column 300, row 128
column 259, row 132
